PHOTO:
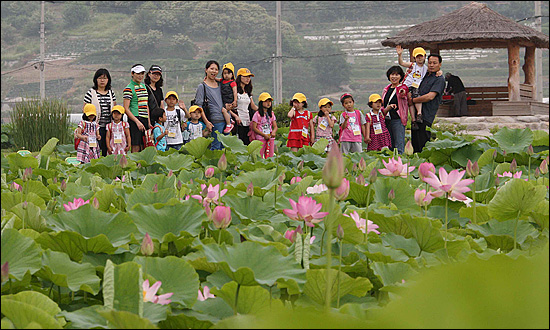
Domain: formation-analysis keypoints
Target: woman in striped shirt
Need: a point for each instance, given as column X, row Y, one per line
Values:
column 135, row 106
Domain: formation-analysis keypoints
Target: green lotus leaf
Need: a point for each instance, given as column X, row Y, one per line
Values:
column 167, row 222
column 49, row 147
column 514, row 198
column 36, row 187
column 359, row 193
column 176, row 275
column 198, row 146
column 250, row 263
column 391, row 224
column 404, row 194
column 126, row 320
column 500, row 234
column 514, row 140
column 486, row 158
column 148, row 196
column 59, row 269
column 18, row 162
column 482, row 213
column 86, row 317
column 392, row 273
column 122, row 287
column 21, row 253
column 89, row 222
column 12, row 198
column 233, row 142
column 261, row 178
column 315, row 286
column 162, row 181
column 176, row 161
column 106, row 171
column 352, row 234
column 469, row 152
column 254, row 147
column 252, row 208
column 190, row 319
column 440, row 151
column 541, row 138
column 429, row 238
column 408, row 245
column 30, row 215
column 380, row 253
column 251, row 299
column 31, row 308
column 105, row 197
column 145, row 157
column 540, row 214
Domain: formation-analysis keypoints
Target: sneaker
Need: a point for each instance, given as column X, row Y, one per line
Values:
column 228, row 129
column 414, row 126
column 419, row 118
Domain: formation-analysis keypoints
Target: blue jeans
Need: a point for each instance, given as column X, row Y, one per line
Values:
column 174, row 146
column 218, row 127
column 397, row 133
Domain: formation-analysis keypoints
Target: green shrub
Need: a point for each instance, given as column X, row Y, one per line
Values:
column 281, row 112
column 35, row 122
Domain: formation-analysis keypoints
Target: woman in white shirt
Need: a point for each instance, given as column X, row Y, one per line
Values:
column 244, row 102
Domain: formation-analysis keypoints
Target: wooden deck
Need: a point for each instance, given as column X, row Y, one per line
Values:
column 493, row 101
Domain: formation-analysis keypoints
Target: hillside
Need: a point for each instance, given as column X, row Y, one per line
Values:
column 116, row 36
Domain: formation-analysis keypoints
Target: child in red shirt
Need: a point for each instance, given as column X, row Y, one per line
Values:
column 301, row 121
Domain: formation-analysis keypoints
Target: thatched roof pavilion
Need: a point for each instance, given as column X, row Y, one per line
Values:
column 477, row 26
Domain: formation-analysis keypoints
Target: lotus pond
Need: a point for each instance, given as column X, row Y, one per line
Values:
column 453, row 237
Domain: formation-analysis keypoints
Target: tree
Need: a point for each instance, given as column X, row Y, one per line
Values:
column 75, row 14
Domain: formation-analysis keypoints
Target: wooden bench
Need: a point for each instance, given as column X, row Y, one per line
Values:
column 483, row 97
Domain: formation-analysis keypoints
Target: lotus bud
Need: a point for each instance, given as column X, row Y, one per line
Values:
column 362, row 165
column 170, row 173
column 222, row 163
column 290, row 235
column 409, row 150
column 280, row 188
column 95, row 203
column 14, row 186
column 221, row 216
column 469, row 168
column 472, row 169
column 537, row 173
column 27, row 174
column 475, row 168
column 124, row 161
column 54, row 180
column 179, row 184
column 341, row 193
column 281, row 178
column 530, row 150
column 156, row 187
column 299, row 230
column 495, row 154
column 497, row 181
column 544, row 166
column 424, row 169
column 391, row 195
column 360, row 179
column 25, row 204
column 63, row 185
column 373, row 175
column 209, row 172
column 340, row 232
column 513, row 166
column 300, row 166
column 250, row 189
column 333, row 171
column 5, row 271
column 354, row 168
column 138, row 165
column 147, row 246
column 295, row 179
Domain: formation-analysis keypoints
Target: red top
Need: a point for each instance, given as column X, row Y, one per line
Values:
column 297, row 123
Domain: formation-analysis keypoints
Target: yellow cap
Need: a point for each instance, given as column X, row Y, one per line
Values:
column 264, row 96
column 194, row 108
column 172, row 93
column 244, row 72
column 89, row 109
column 325, row 101
column 419, row 51
column 374, row 98
column 118, row 108
column 299, row 97
column 229, row 66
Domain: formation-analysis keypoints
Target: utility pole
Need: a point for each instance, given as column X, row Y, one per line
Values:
column 279, row 59
column 42, row 41
column 538, row 54
column 274, row 60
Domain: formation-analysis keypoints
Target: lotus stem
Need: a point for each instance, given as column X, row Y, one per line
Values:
column 220, row 237
column 516, row 231
column 237, row 297
column 474, row 196
column 446, row 219
column 329, row 250
column 338, row 278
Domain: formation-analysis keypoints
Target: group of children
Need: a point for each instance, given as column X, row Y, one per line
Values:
column 174, row 126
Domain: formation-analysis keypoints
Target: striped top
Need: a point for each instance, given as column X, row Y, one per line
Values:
column 137, row 94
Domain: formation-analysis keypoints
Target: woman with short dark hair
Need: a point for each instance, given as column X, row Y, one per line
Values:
column 394, row 97
column 104, row 99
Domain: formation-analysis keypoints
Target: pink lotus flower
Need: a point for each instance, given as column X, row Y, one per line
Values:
column 212, row 194
column 295, row 179
column 422, row 198
column 341, row 193
column 75, row 204
column 221, row 216
column 209, row 172
column 424, row 169
column 15, row 186
column 5, row 271
column 396, row 168
column 222, row 162
column 363, row 224
column 316, row 189
column 516, row 175
column 118, row 179
column 306, row 209
column 291, row 233
column 149, row 293
column 449, row 183
column 206, row 295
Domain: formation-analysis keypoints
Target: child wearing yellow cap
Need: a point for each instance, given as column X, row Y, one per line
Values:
column 118, row 133
column 377, row 135
column 88, row 134
column 263, row 126
column 325, row 122
column 301, row 125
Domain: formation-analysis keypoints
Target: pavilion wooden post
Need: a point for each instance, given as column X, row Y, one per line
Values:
column 513, row 72
column 411, row 54
column 530, row 70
